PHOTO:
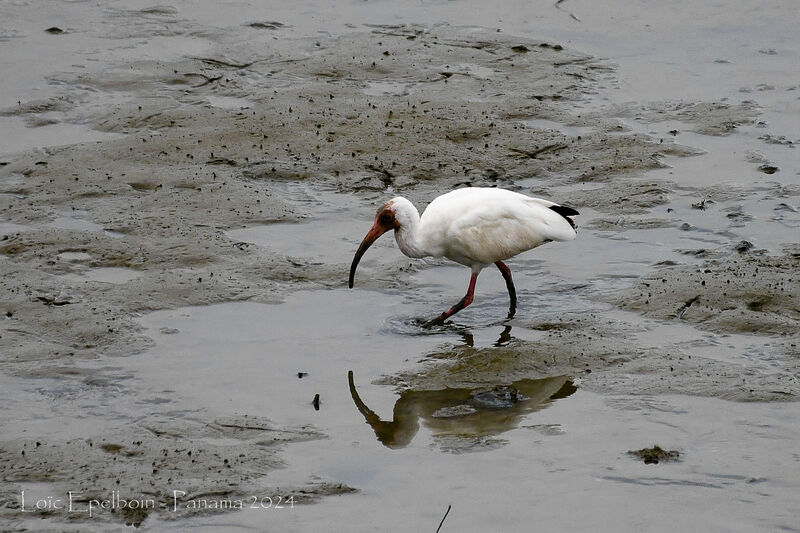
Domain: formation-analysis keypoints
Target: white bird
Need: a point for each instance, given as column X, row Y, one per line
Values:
column 475, row 227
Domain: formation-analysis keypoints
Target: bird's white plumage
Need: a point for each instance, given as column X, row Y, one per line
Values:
column 475, row 227
column 478, row 226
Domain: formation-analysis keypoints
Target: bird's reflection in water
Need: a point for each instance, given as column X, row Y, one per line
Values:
column 469, row 339
column 475, row 412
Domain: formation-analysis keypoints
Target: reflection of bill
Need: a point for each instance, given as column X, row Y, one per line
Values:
column 477, row 412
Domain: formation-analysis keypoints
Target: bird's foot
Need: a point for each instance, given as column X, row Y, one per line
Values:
column 438, row 321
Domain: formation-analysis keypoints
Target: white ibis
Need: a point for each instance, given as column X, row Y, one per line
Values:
column 475, row 227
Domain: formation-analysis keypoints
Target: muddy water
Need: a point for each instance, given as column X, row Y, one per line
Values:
column 221, row 354
column 174, row 286
column 553, row 455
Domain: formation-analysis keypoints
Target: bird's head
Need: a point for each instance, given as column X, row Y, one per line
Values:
column 388, row 217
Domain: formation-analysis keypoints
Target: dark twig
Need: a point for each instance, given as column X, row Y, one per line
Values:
column 445, row 516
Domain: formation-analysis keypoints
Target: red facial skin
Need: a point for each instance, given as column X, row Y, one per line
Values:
column 384, row 221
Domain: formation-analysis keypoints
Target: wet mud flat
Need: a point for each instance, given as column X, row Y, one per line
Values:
column 164, row 289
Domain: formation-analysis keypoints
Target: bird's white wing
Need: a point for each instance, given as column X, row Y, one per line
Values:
column 494, row 227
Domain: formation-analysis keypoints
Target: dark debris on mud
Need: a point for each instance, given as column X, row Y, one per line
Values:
column 655, row 455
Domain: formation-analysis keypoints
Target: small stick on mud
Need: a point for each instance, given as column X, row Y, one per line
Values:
column 445, row 516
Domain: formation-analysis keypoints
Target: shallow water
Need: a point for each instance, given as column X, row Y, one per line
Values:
column 553, row 459
column 112, row 275
column 245, row 358
column 18, row 137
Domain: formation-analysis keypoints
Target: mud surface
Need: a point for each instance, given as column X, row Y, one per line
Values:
column 164, row 281
column 159, row 197
column 745, row 292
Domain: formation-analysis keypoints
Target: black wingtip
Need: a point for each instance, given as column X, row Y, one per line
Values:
column 565, row 212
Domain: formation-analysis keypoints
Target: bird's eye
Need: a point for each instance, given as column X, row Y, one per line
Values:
column 385, row 218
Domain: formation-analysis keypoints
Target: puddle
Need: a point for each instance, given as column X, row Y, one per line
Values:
column 113, row 275
column 577, row 445
column 18, row 137
column 71, row 221
column 335, row 225
column 271, row 360
column 340, row 330
column 722, row 194
column 303, row 240
column 78, row 221
column 246, row 358
column 74, row 257
column 726, row 158
column 75, row 222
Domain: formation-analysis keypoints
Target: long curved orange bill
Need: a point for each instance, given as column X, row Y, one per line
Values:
column 374, row 232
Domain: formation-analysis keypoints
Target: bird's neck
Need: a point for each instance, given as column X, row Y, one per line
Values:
column 408, row 236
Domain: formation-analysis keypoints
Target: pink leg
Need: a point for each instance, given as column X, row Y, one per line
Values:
column 465, row 301
column 512, row 292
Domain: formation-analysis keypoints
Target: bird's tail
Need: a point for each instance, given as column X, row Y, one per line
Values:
column 566, row 212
